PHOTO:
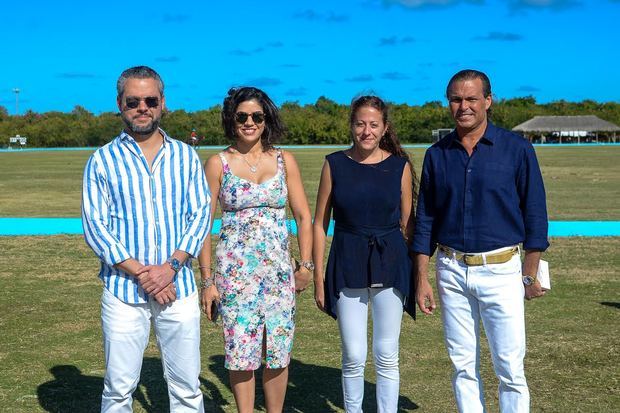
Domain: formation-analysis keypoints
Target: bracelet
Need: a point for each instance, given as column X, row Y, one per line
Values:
column 202, row 267
column 309, row 265
column 206, row 283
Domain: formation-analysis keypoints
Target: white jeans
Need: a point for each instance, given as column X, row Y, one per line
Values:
column 387, row 313
column 494, row 294
column 125, row 337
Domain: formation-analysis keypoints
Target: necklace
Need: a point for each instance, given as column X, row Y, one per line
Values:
column 253, row 168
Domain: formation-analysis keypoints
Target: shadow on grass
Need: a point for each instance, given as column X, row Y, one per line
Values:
column 311, row 388
column 611, row 304
column 71, row 391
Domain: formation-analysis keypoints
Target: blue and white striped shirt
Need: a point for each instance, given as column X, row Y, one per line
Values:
column 132, row 211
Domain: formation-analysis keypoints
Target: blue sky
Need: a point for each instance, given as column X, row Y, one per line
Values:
column 64, row 53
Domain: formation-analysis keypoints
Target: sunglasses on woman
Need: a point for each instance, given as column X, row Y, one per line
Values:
column 133, row 102
column 257, row 117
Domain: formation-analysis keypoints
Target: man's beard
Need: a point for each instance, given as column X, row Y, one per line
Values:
column 141, row 130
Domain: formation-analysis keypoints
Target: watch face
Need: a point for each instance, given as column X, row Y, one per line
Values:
column 527, row 280
column 309, row 266
column 175, row 264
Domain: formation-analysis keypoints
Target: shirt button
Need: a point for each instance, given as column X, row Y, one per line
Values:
column 469, row 170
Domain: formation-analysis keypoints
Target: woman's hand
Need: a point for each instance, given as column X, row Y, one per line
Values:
column 319, row 297
column 303, row 276
column 208, row 297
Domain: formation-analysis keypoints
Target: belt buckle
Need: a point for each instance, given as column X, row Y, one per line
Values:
column 470, row 259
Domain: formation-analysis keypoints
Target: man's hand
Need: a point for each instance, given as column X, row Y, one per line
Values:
column 167, row 295
column 154, row 278
column 424, row 296
column 534, row 290
column 424, row 291
column 530, row 266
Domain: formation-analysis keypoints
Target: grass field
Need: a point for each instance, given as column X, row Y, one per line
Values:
column 581, row 182
column 50, row 334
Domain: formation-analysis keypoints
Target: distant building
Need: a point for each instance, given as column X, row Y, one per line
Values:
column 20, row 140
column 568, row 129
column 438, row 134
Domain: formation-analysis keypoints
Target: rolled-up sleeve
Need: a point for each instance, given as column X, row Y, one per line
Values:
column 533, row 202
column 199, row 211
column 423, row 240
column 96, row 216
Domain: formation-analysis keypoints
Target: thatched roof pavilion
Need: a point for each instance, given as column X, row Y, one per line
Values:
column 574, row 126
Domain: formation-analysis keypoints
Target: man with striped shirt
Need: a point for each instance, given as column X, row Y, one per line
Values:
column 145, row 212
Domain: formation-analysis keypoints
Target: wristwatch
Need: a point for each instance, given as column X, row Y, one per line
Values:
column 529, row 280
column 309, row 265
column 174, row 264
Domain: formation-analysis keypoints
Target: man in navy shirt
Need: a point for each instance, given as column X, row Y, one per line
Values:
column 481, row 197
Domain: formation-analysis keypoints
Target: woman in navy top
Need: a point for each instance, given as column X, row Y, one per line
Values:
column 370, row 188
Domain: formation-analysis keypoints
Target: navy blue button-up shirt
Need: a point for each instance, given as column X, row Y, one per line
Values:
column 491, row 199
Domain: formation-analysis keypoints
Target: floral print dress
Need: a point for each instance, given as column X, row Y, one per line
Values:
column 253, row 271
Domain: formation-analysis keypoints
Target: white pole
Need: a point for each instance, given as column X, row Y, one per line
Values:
column 16, row 91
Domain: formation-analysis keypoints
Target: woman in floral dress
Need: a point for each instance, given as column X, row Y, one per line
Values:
column 253, row 279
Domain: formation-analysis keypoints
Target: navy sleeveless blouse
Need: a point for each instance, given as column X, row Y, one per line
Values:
column 368, row 248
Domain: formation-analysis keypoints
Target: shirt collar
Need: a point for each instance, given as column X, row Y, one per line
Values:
column 124, row 136
column 488, row 136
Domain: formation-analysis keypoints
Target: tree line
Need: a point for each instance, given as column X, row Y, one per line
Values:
column 323, row 122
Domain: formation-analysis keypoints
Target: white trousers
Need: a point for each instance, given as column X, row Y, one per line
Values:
column 125, row 337
column 387, row 313
column 494, row 294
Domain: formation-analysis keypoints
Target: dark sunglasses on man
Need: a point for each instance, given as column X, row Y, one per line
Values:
column 257, row 117
column 133, row 102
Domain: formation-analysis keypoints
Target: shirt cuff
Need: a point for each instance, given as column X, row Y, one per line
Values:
column 536, row 244
column 423, row 247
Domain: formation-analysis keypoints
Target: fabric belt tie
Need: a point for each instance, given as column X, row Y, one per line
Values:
column 480, row 259
column 376, row 244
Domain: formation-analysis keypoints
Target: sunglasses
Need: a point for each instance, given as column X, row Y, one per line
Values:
column 257, row 117
column 133, row 102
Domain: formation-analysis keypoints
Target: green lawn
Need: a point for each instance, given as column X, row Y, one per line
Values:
column 581, row 182
column 50, row 335
column 52, row 358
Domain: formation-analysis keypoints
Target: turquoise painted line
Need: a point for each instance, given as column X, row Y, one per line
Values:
column 334, row 147
column 55, row 226
column 584, row 228
column 40, row 226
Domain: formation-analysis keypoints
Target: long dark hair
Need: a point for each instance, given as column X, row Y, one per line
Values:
column 389, row 142
column 274, row 127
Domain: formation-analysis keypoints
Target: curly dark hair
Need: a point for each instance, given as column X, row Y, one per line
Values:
column 274, row 127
